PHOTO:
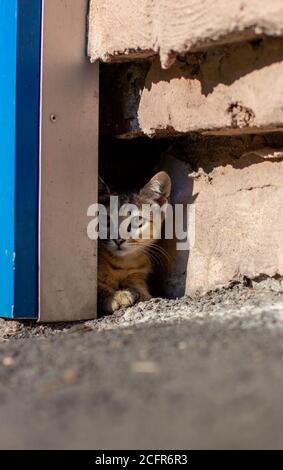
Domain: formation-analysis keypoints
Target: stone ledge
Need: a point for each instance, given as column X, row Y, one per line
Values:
column 231, row 90
column 134, row 29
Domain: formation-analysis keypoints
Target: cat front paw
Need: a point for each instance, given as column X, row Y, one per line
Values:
column 123, row 299
column 144, row 296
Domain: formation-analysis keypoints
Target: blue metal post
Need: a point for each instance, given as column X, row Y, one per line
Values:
column 20, row 32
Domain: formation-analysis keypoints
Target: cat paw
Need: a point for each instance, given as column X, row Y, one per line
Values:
column 144, row 296
column 123, row 298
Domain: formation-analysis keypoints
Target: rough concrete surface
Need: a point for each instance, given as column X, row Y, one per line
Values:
column 235, row 188
column 202, row 373
column 235, row 89
column 137, row 28
column 237, row 203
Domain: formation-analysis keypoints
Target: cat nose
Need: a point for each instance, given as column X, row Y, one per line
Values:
column 119, row 242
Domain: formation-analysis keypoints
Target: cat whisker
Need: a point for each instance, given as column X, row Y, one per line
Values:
column 157, row 256
column 155, row 245
column 160, row 251
column 154, row 254
column 157, row 252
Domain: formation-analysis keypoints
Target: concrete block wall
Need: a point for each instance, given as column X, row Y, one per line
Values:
column 230, row 90
column 131, row 29
column 209, row 76
column 236, row 186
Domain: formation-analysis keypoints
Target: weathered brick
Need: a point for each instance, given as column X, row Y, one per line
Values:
column 236, row 89
column 238, row 199
column 139, row 28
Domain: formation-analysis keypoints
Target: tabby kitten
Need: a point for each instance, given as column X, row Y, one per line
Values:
column 124, row 265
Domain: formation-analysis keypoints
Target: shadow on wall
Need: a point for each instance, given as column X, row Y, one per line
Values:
column 219, row 65
column 172, row 282
column 126, row 166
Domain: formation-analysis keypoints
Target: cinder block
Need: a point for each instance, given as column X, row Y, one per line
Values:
column 238, row 89
column 139, row 28
column 238, row 200
column 239, row 222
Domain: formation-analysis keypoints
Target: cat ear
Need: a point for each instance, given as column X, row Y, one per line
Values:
column 103, row 190
column 158, row 189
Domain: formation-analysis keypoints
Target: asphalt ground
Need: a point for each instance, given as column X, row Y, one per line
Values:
column 188, row 373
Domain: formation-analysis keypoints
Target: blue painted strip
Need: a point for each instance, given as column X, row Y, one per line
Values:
column 27, row 150
column 20, row 31
column 8, row 61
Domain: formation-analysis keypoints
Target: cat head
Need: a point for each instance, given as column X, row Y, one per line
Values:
column 140, row 218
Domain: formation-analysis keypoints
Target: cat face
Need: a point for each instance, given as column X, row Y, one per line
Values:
column 140, row 218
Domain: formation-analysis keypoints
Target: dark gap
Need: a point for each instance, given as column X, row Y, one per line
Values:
column 126, row 164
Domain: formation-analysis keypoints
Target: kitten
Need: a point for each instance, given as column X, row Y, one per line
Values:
column 124, row 265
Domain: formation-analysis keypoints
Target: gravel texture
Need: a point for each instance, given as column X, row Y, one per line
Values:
column 187, row 373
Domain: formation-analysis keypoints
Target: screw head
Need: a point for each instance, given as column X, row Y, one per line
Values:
column 53, row 118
